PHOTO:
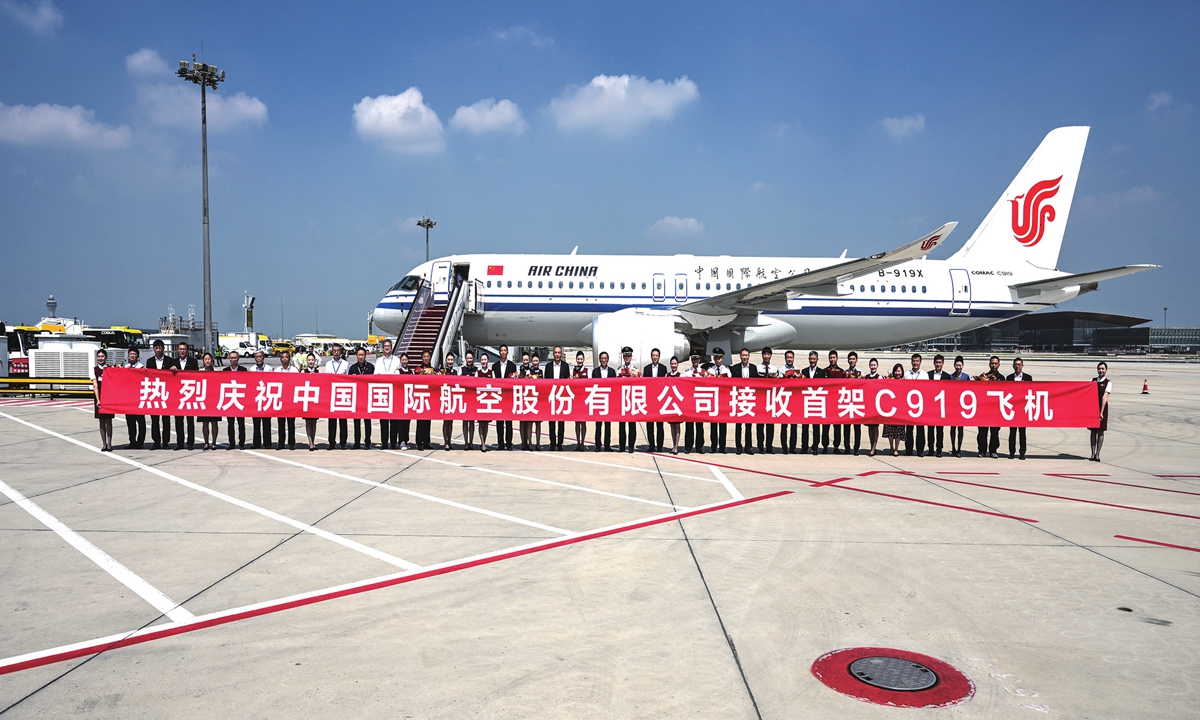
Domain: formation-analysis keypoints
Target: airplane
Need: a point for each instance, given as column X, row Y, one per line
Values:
column 684, row 303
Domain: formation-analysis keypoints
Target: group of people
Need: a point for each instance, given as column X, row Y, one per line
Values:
column 395, row 434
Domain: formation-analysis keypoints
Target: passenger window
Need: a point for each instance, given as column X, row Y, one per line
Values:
column 622, row 286
column 518, row 283
column 922, row 289
column 862, row 288
column 903, row 289
column 539, row 284
column 727, row 286
column 643, row 286
column 489, row 283
column 914, row 288
column 560, row 284
column 591, row 285
column 872, row 288
column 739, row 286
column 893, row 288
column 510, row 283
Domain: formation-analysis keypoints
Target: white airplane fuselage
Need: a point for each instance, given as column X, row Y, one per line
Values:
column 533, row 301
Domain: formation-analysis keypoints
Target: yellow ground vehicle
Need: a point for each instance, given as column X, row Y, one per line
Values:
column 279, row 346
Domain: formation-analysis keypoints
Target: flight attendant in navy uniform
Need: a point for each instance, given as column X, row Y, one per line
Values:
column 106, row 419
column 557, row 369
column 957, row 432
column 469, row 369
column 654, row 431
column 604, row 429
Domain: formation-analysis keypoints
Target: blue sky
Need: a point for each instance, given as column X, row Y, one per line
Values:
column 791, row 129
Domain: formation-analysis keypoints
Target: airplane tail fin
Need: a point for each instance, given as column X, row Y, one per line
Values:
column 1026, row 225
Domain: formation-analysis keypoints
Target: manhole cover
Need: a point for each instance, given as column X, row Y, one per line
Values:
column 893, row 673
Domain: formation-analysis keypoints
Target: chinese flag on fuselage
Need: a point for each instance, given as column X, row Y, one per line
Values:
column 495, row 269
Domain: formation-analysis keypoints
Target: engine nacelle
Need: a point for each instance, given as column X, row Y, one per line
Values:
column 641, row 329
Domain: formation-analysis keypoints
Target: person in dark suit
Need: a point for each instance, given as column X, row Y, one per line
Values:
column 693, row 433
column 937, row 434
column 812, row 372
column 988, row 438
column 261, row 425
column 765, row 432
column 604, row 429
column 654, row 431
column 286, row 426
column 160, row 425
column 235, row 366
column 787, row 433
column 185, row 361
column 833, row 371
column 557, row 369
column 744, row 369
column 505, row 369
column 1018, row 375
column 135, row 423
column 362, row 367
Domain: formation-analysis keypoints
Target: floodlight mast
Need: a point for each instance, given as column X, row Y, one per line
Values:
column 426, row 223
column 206, row 76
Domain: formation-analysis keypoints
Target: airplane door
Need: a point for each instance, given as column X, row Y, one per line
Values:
column 960, row 299
column 441, row 282
column 659, row 286
column 681, row 282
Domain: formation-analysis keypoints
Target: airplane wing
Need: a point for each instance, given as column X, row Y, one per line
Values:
column 715, row 311
column 1084, row 280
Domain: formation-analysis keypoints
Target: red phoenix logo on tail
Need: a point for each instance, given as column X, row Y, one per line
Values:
column 930, row 242
column 1029, row 218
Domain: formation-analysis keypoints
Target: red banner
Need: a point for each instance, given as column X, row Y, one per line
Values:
column 718, row 400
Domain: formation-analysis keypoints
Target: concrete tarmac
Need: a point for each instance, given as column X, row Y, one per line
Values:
column 456, row 584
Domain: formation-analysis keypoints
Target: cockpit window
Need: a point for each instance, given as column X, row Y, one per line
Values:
column 408, row 284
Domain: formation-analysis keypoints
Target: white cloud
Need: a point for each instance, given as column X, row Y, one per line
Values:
column 671, row 225
column 408, row 224
column 1160, row 101
column 618, row 105
column 40, row 19
column 403, row 122
column 59, row 125
column 170, row 102
column 147, row 63
column 523, row 34
column 489, row 116
column 897, row 128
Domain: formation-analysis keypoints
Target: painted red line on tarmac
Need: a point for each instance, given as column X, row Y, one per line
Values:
column 968, row 473
column 1178, row 476
column 834, row 481
column 270, row 608
column 830, row 483
column 936, row 504
column 1093, row 479
column 735, row 467
column 1156, row 542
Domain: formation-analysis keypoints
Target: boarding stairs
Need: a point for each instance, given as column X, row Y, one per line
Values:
column 434, row 326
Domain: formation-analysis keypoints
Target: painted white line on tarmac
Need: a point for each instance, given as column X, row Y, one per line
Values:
column 716, row 471
column 565, row 456
column 569, row 486
column 324, row 534
column 122, row 574
column 413, row 493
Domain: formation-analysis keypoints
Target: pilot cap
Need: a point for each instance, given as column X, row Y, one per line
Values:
column 626, row 350
column 718, row 352
column 695, row 356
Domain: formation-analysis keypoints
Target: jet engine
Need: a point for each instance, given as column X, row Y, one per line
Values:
column 641, row 329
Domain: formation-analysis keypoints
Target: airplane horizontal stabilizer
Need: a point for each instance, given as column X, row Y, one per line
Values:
column 1083, row 280
column 821, row 281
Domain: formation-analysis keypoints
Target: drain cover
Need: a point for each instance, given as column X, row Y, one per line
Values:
column 893, row 673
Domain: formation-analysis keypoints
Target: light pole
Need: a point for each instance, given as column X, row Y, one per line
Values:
column 206, row 76
column 1164, row 318
column 426, row 223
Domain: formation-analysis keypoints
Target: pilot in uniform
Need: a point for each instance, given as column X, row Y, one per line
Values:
column 718, row 432
column 812, row 372
column 693, row 434
column 627, row 370
column 766, row 431
column 854, row 373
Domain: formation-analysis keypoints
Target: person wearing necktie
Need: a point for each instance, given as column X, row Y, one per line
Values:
column 627, row 431
column 160, row 425
column 231, row 422
column 766, row 431
column 361, row 367
column 718, row 432
column 185, row 361
column 1018, row 375
column 741, row 431
column 604, row 429
column 262, row 425
column 557, row 369
column 693, row 432
column 286, row 426
column 504, row 369
column 135, row 423
column 915, row 431
column 387, row 364
column 937, row 434
column 787, row 433
column 812, row 372
column 337, row 366
column 655, row 431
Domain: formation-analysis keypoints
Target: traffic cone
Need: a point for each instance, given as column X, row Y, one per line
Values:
column 1145, row 387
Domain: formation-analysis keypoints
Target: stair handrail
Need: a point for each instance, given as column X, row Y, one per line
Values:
column 452, row 322
column 420, row 302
